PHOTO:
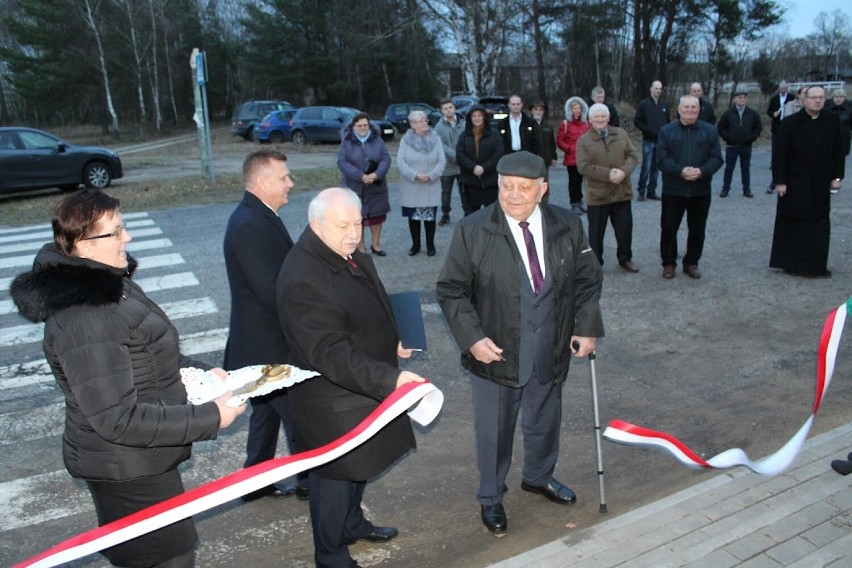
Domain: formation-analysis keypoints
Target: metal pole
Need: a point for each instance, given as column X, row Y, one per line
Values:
column 597, row 423
column 195, row 59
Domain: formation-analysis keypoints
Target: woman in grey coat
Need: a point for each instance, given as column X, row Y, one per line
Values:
column 421, row 162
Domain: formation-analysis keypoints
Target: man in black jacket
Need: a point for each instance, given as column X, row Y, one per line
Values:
column 515, row 313
column 599, row 97
column 688, row 154
column 651, row 115
column 256, row 242
column 519, row 132
column 739, row 127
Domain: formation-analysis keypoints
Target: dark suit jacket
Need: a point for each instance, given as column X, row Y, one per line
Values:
column 338, row 322
column 256, row 243
column 530, row 140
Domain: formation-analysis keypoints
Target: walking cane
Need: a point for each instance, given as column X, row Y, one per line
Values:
column 576, row 346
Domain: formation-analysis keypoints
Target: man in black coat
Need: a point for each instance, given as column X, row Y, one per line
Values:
column 651, row 115
column 688, row 154
column 775, row 112
column 808, row 163
column 337, row 320
column 256, row 242
column 599, row 97
column 519, row 131
column 739, row 127
column 520, row 286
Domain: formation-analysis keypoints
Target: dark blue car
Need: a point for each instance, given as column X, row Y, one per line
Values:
column 274, row 127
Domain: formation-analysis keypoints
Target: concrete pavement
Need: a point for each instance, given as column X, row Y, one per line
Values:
column 801, row 518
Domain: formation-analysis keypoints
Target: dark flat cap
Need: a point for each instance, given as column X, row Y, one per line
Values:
column 521, row 164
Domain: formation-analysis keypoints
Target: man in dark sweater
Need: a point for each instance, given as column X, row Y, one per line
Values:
column 739, row 127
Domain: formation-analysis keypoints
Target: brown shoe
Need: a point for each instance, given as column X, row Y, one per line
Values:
column 628, row 266
column 668, row 271
column 692, row 271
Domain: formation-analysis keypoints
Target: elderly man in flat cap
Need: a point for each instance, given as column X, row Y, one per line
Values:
column 520, row 287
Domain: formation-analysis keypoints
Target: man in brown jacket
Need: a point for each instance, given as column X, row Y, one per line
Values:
column 605, row 159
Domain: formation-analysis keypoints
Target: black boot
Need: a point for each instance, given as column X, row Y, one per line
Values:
column 414, row 228
column 430, row 237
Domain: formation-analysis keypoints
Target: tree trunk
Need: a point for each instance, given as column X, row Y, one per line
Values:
column 90, row 21
column 539, row 50
column 154, row 71
column 138, row 60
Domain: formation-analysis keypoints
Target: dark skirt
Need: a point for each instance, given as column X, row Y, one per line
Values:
column 800, row 245
column 117, row 499
column 378, row 220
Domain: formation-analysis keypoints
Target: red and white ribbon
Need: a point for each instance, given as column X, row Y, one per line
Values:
column 426, row 396
column 630, row 434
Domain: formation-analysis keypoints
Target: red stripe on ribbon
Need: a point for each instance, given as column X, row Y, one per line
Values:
column 169, row 511
column 630, row 434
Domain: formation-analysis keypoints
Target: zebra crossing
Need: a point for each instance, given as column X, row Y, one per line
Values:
column 31, row 406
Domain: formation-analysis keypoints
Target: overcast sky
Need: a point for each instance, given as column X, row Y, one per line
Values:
column 801, row 13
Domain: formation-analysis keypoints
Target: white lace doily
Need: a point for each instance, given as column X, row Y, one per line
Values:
column 203, row 386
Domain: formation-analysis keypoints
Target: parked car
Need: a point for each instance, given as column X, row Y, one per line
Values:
column 325, row 123
column 463, row 103
column 34, row 159
column 397, row 114
column 274, row 127
column 497, row 107
column 250, row 112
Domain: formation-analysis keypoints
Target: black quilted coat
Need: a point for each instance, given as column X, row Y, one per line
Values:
column 116, row 357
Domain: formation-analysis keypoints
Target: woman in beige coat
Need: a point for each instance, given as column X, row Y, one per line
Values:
column 606, row 158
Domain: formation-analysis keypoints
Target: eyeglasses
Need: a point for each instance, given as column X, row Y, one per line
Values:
column 116, row 233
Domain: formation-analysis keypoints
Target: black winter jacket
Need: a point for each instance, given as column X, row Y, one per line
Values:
column 679, row 146
column 736, row 131
column 650, row 117
column 479, row 291
column 490, row 152
column 115, row 355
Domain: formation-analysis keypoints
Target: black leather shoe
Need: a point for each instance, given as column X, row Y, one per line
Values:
column 430, row 251
column 413, row 250
column 554, row 491
column 378, row 534
column 302, row 493
column 724, row 193
column 444, row 220
column 378, row 252
column 654, row 197
column 494, row 518
column 748, row 194
column 276, row 490
column 842, row 467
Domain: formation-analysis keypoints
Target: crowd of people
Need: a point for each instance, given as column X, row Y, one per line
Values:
column 517, row 315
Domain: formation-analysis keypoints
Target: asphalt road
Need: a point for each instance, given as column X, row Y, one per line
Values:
column 725, row 361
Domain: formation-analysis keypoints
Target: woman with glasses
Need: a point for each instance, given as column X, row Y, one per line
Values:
column 364, row 161
column 115, row 355
column 421, row 162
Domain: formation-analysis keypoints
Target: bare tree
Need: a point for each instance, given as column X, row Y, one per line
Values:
column 477, row 30
column 154, row 73
column 139, row 63
column 832, row 38
column 89, row 17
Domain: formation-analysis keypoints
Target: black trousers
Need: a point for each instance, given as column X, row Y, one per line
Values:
column 620, row 214
column 479, row 197
column 268, row 414
column 447, row 193
column 575, row 185
column 731, row 155
column 171, row 546
column 673, row 208
column 336, row 516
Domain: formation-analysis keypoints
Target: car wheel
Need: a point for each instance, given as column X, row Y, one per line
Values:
column 276, row 137
column 299, row 138
column 249, row 135
column 96, row 175
column 69, row 186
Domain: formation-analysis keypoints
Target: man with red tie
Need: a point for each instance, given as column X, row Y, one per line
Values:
column 515, row 313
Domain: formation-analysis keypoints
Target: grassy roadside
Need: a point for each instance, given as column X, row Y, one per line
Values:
column 35, row 207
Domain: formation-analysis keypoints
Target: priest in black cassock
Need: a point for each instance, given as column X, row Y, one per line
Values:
column 807, row 162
